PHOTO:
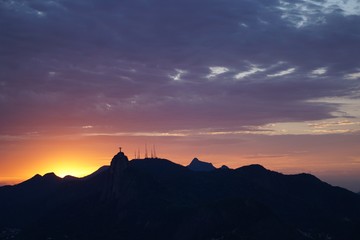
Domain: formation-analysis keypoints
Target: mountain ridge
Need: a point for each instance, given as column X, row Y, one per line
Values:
column 158, row 199
column 200, row 166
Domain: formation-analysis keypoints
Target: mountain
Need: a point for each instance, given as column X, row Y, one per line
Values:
column 158, row 199
column 224, row 167
column 200, row 166
column 97, row 172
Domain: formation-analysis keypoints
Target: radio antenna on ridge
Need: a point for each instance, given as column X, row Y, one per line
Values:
column 146, row 152
column 154, row 151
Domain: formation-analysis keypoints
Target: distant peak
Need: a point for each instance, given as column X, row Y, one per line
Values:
column 37, row 176
column 254, row 167
column 97, row 172
column 50, row 175
column 38, row 179
column 200, row 166
column 70, row 178
column 224, row 167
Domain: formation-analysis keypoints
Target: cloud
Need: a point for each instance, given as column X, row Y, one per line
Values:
column 319, row 71
column 254, row 69
column 353, row 76
column 179, row 73
column 282, row 73
column 135, row 134
column 309, row 12
column 333, row 124
column 214, row 71
column 106, row 63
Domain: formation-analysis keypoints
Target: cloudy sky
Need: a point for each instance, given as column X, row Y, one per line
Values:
column 230, row 81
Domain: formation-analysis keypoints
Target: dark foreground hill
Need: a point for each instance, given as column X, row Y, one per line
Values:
column 158, row 199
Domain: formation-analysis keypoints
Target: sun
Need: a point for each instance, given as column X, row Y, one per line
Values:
column 73, row 168
column 75, row 172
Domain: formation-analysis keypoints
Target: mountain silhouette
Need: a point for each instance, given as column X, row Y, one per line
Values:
column 200, row 166
column 224, row 167
column 158, row 199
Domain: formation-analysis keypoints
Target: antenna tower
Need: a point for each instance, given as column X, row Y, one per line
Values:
column 146, row 152
column 154, row 151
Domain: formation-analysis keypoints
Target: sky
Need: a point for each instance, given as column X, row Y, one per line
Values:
column 232, row 82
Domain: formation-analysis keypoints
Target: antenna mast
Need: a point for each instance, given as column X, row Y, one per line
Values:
column 154, row 151
column 146, row 152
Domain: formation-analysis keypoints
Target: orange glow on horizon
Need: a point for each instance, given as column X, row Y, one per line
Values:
column 82, row 156
column 63, row 157
column 72, row 169
column 72, row 163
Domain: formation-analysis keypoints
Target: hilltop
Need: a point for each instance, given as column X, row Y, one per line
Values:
column 157, row 199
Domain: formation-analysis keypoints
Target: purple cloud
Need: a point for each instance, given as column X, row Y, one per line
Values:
column 144, row 65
